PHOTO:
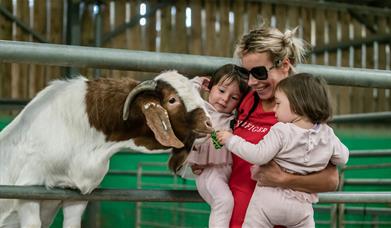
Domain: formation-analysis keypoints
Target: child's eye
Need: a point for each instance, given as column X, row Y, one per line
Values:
column 222, row 90
column 235, row 98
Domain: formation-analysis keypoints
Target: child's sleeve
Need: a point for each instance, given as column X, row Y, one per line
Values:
column 260, row 153
column 341, row 152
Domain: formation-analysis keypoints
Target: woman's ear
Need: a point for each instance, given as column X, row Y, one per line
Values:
column 286, row 66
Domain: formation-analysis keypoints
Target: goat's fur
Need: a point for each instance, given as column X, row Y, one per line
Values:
column 66, row 135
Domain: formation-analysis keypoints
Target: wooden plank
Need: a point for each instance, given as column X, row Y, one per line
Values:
column 266, row 13
column 306, row 15
column 5, row 34
column 20, row 71
column 254, row 15
column 382, row 93
column 151, row 34
column 239, row 12
column 210, row 10
column 370, row 99
column 224, row 36
column 106, row 28
column 345, row 92
column 331, row 16
column 87, row 36
column 118, row 13
column 55, row 30
column 166, row 28
column 180, row 28
column 357, row 92
column 292, row 18
column 281, row 18
column 37, row 72
column 320, row 26
column 195, row 36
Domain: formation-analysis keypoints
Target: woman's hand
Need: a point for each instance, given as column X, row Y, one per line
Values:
column 273, row 176
column 222, row 136
column 197, row 169
column 270, row 175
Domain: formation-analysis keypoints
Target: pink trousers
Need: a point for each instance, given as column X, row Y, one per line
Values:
column 212, row 185
column 274, row 206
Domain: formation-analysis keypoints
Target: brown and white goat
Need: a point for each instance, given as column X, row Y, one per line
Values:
column 67, row 134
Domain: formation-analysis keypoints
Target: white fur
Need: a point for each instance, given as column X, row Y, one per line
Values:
column 51, row 143
column 185, row 89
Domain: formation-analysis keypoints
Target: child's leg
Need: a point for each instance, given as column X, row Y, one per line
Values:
column 276, row 206
column 255, row 214
column 212, row 185
column 307, row 215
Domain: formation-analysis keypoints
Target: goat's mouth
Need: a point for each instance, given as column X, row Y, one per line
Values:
column 201, row 134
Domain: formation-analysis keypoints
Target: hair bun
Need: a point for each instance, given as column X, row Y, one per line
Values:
column 288, row 37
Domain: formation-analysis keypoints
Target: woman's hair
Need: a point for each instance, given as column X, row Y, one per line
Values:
column 278, row 45
column 308, row 96
column 229, row 73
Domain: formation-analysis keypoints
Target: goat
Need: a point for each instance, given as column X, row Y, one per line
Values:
column 67, row 134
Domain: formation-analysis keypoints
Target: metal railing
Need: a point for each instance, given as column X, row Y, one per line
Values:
column 120, row 59
column 137, row 195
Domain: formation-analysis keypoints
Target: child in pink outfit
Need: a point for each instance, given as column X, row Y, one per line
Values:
column 226, row 88
column 300, row 143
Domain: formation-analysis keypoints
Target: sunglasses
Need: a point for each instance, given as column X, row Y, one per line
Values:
column 259, row 72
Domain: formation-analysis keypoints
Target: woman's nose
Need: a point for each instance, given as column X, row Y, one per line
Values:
column 252, row 81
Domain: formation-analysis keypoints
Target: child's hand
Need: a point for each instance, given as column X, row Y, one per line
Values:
column 222, row 136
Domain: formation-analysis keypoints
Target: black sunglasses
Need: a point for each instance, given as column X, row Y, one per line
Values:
column 259, row 72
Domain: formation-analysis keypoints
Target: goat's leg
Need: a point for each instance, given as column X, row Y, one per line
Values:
column 29, row 214
column 73, row 211
column 48, row 211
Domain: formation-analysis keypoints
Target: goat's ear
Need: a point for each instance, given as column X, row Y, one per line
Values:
column 159, row 122
column 143, row 86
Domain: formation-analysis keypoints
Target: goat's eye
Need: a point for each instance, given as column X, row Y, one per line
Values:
column 172, row 100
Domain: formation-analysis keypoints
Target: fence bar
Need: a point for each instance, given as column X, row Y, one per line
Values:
column 363, row 117
column 41, row 193
column 372, row 182
column 121, row 59
column 370, row 153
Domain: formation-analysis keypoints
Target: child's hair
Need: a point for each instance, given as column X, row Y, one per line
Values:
column 279, row 45
column 229, row 73
column 308, row 96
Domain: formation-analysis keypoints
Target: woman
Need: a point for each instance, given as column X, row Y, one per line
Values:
column 268, row 56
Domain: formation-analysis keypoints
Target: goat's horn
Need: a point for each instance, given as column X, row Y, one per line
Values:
column 143, row 86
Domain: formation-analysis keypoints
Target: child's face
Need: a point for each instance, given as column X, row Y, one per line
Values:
column 282, row 108
column 225, row 96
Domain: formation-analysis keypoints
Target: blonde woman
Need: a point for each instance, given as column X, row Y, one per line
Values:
column 269, row 56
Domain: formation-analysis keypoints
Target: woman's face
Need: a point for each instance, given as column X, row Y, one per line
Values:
column 264, row 88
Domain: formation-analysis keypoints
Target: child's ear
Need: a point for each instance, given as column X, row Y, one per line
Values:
column 205, row 84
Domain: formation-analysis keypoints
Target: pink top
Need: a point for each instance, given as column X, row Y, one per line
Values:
column 205, row 153
column 295, row 149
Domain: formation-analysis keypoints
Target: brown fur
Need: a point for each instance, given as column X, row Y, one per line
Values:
column 105, row 99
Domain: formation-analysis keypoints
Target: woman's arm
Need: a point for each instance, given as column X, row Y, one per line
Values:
column 324, row 181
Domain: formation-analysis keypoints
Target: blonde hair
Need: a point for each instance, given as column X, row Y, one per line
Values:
column 279, row 45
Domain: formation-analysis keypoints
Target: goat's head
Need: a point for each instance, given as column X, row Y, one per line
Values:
column 178, row 116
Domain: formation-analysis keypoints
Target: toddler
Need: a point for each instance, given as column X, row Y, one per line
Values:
column 213, row 166
column 301, row 142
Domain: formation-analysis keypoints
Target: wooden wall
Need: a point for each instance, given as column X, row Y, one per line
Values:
column 215, row 27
